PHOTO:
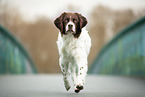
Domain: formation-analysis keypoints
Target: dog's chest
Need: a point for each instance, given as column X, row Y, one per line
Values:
column 71, row 45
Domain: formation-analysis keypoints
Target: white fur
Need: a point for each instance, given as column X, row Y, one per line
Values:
column 73, row 54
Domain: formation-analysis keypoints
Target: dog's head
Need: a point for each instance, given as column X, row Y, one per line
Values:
column 70, row 23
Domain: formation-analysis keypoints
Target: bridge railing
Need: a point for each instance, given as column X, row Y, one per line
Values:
column 13, row 57
column 125, row 54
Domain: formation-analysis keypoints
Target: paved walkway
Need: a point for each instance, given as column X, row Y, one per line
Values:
column 52, row 86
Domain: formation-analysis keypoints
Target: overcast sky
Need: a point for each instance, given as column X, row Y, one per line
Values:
column 52, row 8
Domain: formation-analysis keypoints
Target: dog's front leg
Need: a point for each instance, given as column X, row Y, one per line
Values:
column 81, row 62
column 64, row 68
column 82, row 72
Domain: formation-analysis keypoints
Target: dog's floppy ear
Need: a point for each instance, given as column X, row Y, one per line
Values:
column 58, row 22
column 83, row 20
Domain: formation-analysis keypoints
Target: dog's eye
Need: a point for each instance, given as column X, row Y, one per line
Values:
column 66, row 20
column 74, row 20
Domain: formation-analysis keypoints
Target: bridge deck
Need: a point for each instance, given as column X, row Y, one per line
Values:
column 52, row 86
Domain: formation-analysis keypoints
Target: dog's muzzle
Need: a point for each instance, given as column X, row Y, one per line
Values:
column 70, row 28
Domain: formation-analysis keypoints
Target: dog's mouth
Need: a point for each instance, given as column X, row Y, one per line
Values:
column 70, row 31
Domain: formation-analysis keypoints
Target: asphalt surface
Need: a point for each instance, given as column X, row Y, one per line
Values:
column 52, row 86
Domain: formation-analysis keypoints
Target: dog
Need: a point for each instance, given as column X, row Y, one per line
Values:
column 74, row 45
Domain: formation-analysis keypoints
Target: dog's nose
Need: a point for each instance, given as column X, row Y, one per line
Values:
column 70, row 26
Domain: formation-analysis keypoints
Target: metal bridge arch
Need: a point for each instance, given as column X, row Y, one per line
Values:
column 14, row 59
column 125, row 54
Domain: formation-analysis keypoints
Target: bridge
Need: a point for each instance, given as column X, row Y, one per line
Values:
column 125, row 54
column 118, row 70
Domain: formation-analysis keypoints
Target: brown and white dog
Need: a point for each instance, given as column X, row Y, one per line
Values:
column 74, row 45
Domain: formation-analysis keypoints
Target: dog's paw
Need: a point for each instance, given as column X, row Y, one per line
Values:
column 67, row 86
column 77, row 90
column 79, row 87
